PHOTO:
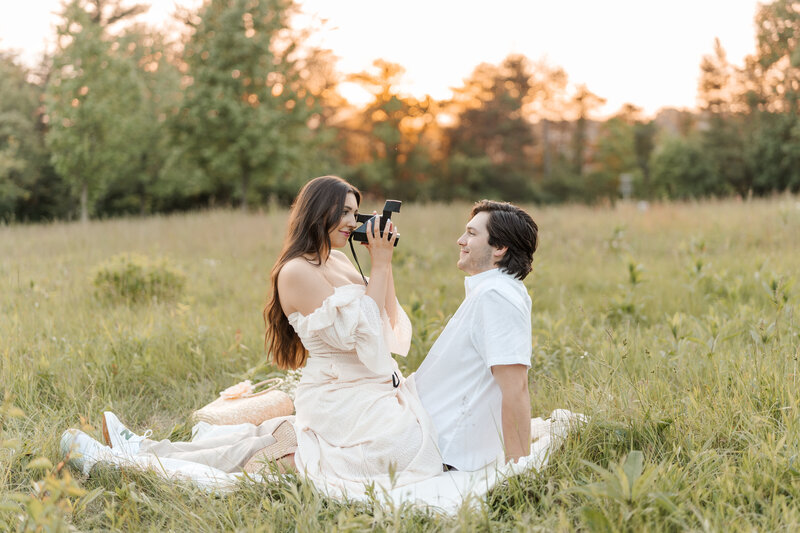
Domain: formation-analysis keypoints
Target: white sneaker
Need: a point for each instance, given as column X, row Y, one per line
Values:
column 119, row 438
column 82, row 451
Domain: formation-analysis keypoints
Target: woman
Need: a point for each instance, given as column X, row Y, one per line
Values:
column 357, row 419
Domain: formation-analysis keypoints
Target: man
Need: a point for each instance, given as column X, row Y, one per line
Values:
column 474, row 381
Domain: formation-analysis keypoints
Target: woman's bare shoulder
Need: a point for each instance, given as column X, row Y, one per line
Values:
column 297, row 267
column 301, row 286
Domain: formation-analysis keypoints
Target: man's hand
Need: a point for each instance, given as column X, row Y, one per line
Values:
column 513, row 382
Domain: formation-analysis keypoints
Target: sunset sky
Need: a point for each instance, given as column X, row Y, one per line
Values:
column 638, row 51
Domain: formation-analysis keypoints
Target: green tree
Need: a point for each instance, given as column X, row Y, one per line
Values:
column 681, row 169
column 778, row 54
column 388, row 134
column 245, row 116
column 20, row 144
column 319, row 80
column 771, row 94
column 583, row 102
column 644, row 142
column 715, row 92
column 30, row 189
column 723, row 138
column 92, row 94
column 547, row 105
column 615, row 153
column 492, row 143
column 147, row 182
column 774, row 152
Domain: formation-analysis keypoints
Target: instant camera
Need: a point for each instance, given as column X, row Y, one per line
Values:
column 360, row 233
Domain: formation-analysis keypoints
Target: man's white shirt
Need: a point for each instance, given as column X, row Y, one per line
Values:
column 492, row 326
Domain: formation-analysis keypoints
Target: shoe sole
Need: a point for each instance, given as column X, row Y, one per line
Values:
column 106, row 436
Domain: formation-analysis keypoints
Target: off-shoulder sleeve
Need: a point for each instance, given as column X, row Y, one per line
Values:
column 398, row 337
column 349, row 320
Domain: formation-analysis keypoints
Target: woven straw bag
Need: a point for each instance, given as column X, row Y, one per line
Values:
column 239, row 404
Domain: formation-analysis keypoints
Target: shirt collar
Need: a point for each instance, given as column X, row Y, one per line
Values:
column 470, row 282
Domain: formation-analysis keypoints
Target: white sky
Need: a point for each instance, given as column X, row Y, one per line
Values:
column 645, row 52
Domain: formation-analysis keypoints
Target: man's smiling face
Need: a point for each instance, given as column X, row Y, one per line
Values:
column 477, row 255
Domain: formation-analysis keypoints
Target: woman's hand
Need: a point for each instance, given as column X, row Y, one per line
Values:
column 381, row 246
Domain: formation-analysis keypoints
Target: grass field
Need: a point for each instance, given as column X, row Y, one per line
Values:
column 674, row 329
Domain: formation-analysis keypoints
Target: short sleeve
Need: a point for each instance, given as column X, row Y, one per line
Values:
column 502, row 330
column 348, row 320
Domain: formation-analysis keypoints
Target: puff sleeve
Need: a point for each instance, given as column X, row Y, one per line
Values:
column 349, row 320
column 399, row 336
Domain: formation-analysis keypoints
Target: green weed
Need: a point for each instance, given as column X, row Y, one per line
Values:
column 133, row 278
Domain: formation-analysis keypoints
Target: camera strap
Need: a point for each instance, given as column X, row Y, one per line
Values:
column 353, row 250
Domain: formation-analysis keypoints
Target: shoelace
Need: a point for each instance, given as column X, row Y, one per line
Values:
column 146, row 434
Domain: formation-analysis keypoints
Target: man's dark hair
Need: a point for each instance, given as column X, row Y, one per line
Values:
column 511, row 227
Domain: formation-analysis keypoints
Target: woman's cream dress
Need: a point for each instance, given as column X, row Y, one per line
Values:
column 354, row 427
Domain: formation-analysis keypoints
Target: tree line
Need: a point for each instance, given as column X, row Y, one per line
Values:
column 239, row 110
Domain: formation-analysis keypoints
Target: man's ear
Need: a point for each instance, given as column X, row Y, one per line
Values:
column 498, row 253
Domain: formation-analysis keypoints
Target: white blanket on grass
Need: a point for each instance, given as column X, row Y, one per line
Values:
column 446, row 492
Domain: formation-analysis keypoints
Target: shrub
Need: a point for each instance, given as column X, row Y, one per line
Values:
column 135, row 278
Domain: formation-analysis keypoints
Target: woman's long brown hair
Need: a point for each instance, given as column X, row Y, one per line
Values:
column 316, row 211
